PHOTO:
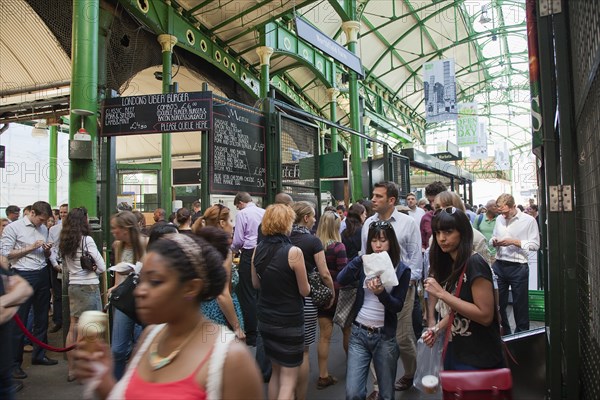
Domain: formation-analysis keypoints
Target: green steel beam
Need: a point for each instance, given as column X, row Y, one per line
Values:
column 341, row 8
column 84, row 96
column 273, row 18
column 285, row 42
column 192, row 39
column 52, row 167
column 403, row 36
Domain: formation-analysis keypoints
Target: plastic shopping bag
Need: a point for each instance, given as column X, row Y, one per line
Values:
column 429, row 364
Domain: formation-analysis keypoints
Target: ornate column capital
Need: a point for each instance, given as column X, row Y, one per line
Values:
column 264, row 52
column 167, row 42
column 332, row 94
column 351, row 29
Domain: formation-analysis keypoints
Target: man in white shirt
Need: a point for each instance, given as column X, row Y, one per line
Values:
column 385, row 197
column 415, row 212
column 515, row 235
column 25, row 244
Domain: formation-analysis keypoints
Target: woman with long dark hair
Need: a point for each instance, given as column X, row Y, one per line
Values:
column 475, row 342
column 357, row 214
column 373, row 335
column 84, row 291
column 129, row 247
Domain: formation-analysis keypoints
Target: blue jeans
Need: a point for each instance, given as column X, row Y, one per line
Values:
column 40, row 301
column 125, row 333
column 363, row 348
column 516, row 276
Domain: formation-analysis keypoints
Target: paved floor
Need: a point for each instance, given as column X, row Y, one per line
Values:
column 50, row 382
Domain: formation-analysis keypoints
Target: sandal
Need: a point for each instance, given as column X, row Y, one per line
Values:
column 403, row 383
column 322, row 383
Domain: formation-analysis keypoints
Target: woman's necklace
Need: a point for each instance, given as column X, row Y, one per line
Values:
column 156, row 361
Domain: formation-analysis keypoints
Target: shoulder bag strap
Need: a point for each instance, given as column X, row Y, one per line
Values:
column 452, row 314
column 214, row 380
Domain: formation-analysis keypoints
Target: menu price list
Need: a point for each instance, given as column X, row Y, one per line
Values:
column 237, row 145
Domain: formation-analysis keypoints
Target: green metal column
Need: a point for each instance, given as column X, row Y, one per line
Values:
column 351, row 30
column 332, row 93
column 84, row 101
column 553, row 290
column 166, row 199
column 205, row 164
column 264, row 53
column 567, row 231
column 52, row 182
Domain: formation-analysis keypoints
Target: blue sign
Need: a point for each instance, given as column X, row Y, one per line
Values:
column 332, row 48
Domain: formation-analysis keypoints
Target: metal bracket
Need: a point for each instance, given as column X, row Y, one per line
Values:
column 549, row 7
column 561, row 198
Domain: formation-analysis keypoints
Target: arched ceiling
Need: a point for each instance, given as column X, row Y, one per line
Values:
column 486, row 38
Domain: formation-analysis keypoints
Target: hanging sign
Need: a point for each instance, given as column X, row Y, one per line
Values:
column 332, row 48
column 502, row 157
column 466, row 125
column 440, row 90
column 157, row 113
column 480, row 150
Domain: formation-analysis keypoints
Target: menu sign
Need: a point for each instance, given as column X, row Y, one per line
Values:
column 157, row 113
column 237, row 145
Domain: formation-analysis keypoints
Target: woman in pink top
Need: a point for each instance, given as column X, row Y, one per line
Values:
column 182, row 355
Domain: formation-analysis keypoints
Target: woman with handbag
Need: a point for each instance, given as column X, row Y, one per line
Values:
column 182, row 355
column 129, row 247
column 225, row 309
column 314, row 260
column 83, row 260
column 278, row 270
column 462, row 281
column 328, row 233
column 373, row 334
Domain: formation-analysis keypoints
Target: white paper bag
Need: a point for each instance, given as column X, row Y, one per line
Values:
column 380, row 264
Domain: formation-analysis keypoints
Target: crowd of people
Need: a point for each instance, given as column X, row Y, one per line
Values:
column 210, row 287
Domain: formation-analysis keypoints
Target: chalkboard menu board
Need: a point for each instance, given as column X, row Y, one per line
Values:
column 157, row 113
column 237, row 146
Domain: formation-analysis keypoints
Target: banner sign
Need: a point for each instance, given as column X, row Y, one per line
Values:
column 329, row 46
column 439, row 84
column 466, row 125
column 157, row 113
column 480, row 150
column 502, row 156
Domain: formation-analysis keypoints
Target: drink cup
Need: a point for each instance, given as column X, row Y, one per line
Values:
column 430, row 383
column 92, row 329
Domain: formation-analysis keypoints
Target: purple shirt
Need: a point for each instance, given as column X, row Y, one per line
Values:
column 246, row 227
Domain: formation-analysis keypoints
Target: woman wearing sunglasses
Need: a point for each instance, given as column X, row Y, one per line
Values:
column 475, row 341
column 373, row 334
column 225, row 309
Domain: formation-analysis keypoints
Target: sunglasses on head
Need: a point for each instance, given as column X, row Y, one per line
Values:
column 380, row 225
column 221, row 207
column 448, row 210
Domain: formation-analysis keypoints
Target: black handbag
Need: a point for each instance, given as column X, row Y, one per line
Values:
column 122, row 297
column 86, row 260
column 321, row 295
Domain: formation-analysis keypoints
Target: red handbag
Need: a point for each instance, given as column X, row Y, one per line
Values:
column 485, row 384
column 477, row 385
